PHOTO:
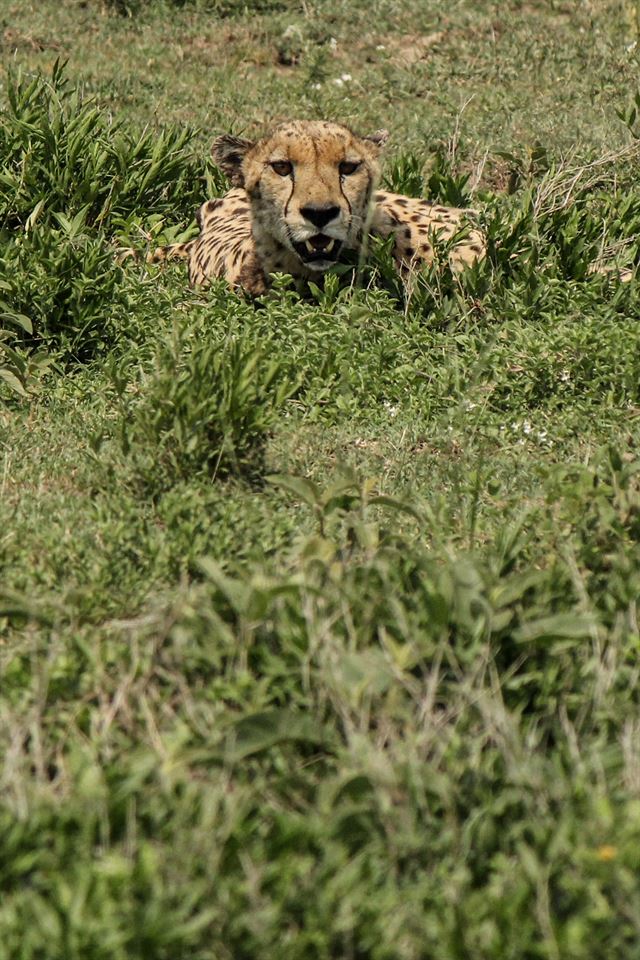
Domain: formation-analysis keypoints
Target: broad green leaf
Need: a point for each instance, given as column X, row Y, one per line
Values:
column 391, row 503
column 305, row 490
column 261, row 731
column 567, row 625
column 12, row 381
column 19, row 319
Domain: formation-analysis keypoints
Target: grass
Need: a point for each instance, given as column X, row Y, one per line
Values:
column 318, row 619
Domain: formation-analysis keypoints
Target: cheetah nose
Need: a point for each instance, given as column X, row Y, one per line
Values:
column 320, row 216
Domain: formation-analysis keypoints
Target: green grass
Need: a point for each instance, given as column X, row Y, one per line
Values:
column 318, row 618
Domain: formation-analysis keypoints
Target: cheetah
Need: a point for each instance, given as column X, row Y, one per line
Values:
column 301, row 196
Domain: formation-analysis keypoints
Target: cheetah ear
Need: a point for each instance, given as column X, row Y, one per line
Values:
column 379, row 138
column 228, row 153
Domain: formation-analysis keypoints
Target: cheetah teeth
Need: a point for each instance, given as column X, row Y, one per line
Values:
column 327, row 249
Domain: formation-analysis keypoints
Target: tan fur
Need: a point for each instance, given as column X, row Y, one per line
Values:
column 302, row 195
column 421, row 227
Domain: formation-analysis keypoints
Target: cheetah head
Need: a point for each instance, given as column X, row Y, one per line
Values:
column 309, row 184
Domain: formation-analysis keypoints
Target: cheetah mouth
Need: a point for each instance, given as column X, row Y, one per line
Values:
column 319, row 249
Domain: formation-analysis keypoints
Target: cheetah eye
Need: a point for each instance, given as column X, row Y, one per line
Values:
column 282, row 167
column 347, row 167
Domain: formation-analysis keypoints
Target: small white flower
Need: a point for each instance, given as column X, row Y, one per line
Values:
column 381, row 46
column 565, row 376
column 333, row 44
column 339, row 82
column 526, row 427
column 316, row 86
column 346, row 77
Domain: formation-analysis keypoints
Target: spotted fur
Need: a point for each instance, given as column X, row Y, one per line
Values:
column 422, row 229
column 301, row 196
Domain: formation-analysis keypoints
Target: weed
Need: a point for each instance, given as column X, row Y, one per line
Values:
column 65, row 157
column 68, row 283
column 206, row 405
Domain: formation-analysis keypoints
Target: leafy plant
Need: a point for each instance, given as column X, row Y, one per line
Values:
column 206, row 406
column 403, row 173
column 13, row 364
column 436, row 180
column 64, row 156
column 67, row 283
column 444, row 184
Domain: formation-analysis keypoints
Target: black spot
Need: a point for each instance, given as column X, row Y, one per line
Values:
column 402, row 202
column 416, row 218
column 407, row 233
column 475, row 248
column 409, row 252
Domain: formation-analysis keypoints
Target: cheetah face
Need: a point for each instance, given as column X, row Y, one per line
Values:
column 309, row 185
